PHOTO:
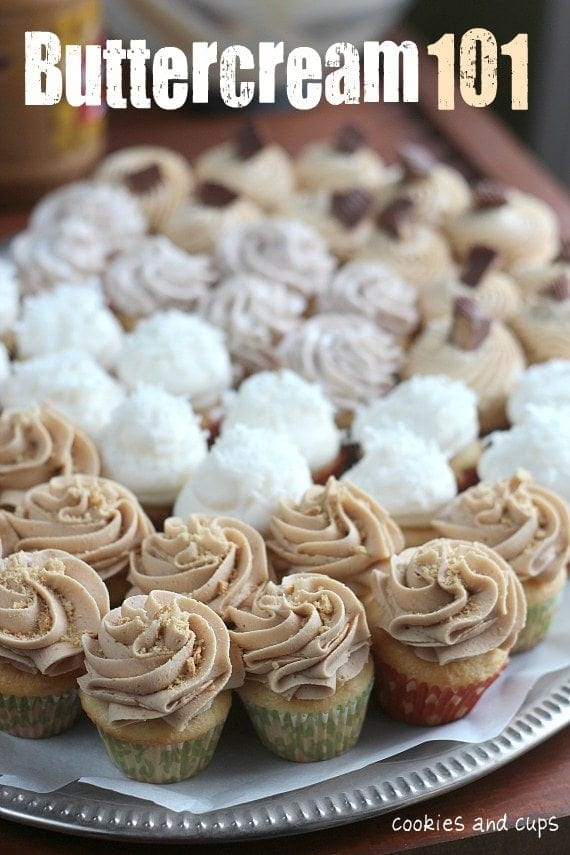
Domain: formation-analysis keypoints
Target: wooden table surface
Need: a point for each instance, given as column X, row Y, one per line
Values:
column 536, row 785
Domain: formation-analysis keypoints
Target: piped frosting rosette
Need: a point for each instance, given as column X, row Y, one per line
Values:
column 544, row 327
column 162, row 656
column 337, row 530
column 219, row 561
column 37, row 444
column 48, row 599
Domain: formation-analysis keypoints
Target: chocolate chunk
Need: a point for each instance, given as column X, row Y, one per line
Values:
column 351, row 207
column 418, row 162
column 564, row 251
column 470, row 325
column 143, row 180
column 247, row 141
column 489, row 194
column 559, row 289
column 397, row 216
column 349, row 139
column 479, row 261
column 215, row 195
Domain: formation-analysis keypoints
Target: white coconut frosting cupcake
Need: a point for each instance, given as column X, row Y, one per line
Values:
column 183, row 354
column 540, row 445
column 69, row 318
column 245, row 474
column 544, row 385
column 71, row 381
column 282, row 401
column 434, row 407
column 152, row 444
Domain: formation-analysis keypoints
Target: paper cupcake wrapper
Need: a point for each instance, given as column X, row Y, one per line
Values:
column 538, row 620
column 162, row 764
column 39, row 717
column 305, row 737
column 405, row 699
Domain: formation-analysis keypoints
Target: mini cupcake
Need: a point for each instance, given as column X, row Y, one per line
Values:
column 372, row 289
column 336, row 530
column 159, row 178
column 521, row 228
column 254, row 314
column 48, row 600
column 443, row 619
column 543, row 326
column 152, row 444
column 283, row 402
column 414, row 250
column 473, row 348
column 245, row 474
column 95, row 519
column 68, row 318
column 495, row 290
column 9, row 301
column 540, row 444
column 212, row 212
column 532, row 279
column 182, row 354
column 157, row 685
column 37, row 444
column 530, row 528
column 344, row 162
column 408, row 476
column 259, row 170
column 305, row 651
column 280, row 250
column 543, row 385
column 71, row 381
column 352, row 359
column 219, row 561
column 153, row 275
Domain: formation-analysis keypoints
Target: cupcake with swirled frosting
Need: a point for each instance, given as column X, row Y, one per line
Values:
column 336, row 530
column 530, row 528
column 372, row 289
column 90, row 517
column 443, row 619
column 219, row 561
column 343, row 162
column 37, row 444
column 473, row 348
column 304, row 648
column 156, row 687
column 48, row 600
column 543, row 326
column 154, row 275
column 352, row 359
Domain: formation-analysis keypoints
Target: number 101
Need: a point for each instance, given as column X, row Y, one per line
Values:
column 478, row 69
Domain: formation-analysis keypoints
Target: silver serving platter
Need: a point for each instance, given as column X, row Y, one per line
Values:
column 414, row 776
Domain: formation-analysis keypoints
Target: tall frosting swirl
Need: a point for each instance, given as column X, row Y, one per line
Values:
column 449, row 600
column 219, row 561
column 337, row 530
column 303, row 638
column 543, row 327
column 497, row 293
column 526, row 524
column 48, row 600
column 162, row 656
column 419, row 257
column 348, row 355
column 94, row 518
column 37, row 444
column 281, row 251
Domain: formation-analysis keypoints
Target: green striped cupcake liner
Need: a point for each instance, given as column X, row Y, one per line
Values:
column 305, row 737
column 538, row 620
column 39, row 717
column 162, row 764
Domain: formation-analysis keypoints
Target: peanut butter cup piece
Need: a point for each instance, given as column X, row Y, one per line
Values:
column 559, row 288
column 397, row 217
column 489, row 194
column 248, row 141
column 141, row 181
column 418, row 161
column 351, row 207
column 349, row 139
column 470, row 325
column 215, row 195
column 480, row 260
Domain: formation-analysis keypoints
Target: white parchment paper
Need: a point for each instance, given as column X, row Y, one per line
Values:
column 242, row 770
